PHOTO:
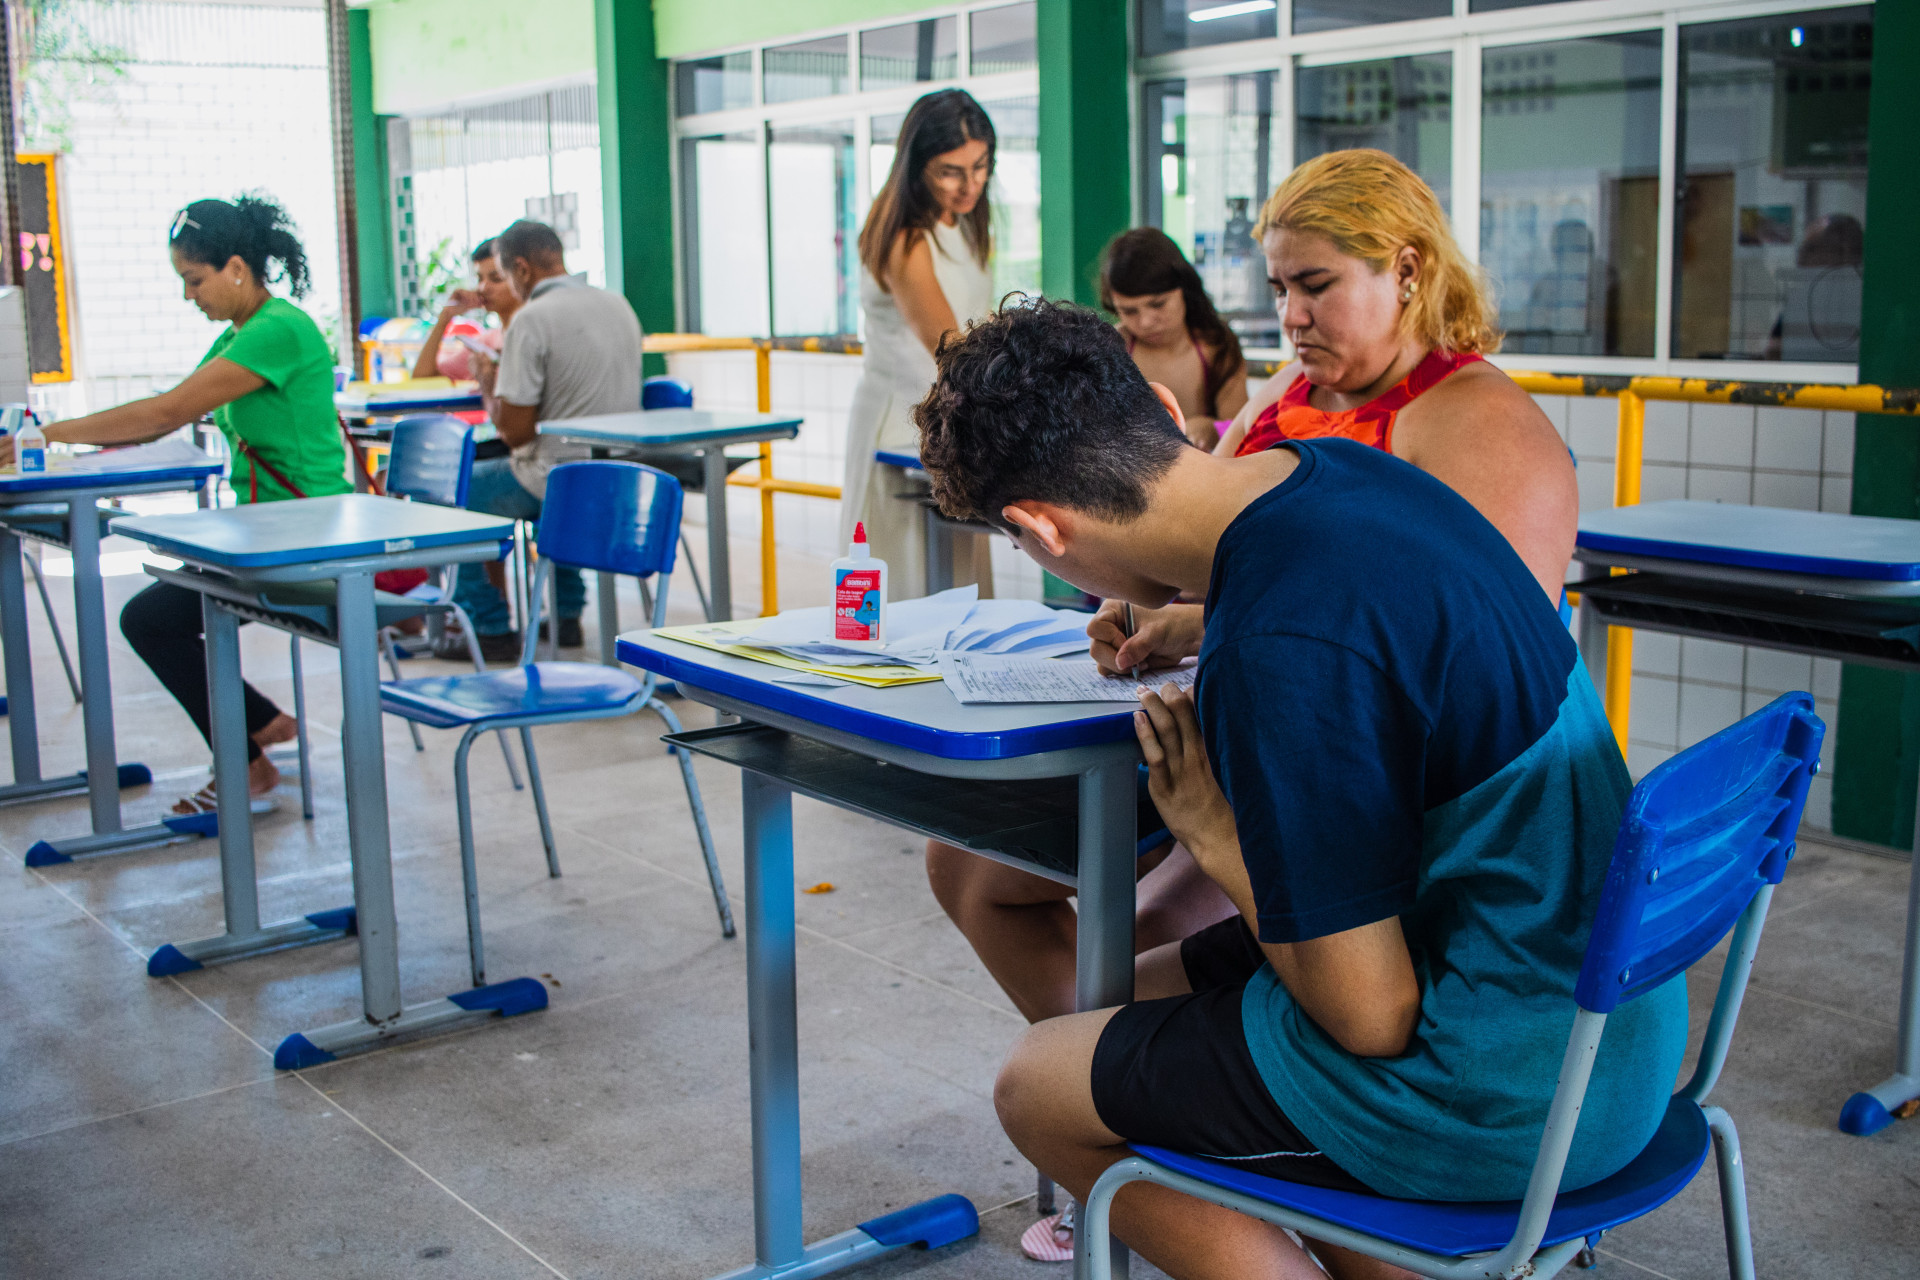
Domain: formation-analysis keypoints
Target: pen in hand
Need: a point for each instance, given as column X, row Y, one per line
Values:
column 1136, row 666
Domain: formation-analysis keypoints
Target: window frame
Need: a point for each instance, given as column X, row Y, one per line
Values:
column 1469, row 37
column 859, row 104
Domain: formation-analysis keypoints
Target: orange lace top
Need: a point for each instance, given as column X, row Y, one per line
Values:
column 1291, row 417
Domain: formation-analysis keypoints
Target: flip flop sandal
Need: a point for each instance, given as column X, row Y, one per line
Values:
column 1050, row 1239
column 205, row 801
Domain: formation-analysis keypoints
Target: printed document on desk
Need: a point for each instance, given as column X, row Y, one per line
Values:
column 998, row 678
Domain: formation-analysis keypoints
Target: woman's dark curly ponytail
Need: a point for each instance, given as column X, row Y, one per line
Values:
column 253, row 228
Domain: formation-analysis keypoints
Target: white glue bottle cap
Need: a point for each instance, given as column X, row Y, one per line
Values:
column 860, row 550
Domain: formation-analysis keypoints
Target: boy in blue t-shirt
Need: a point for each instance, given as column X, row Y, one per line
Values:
column 1395, row 767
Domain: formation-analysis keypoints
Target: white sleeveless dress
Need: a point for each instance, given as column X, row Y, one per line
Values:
column 895, row 376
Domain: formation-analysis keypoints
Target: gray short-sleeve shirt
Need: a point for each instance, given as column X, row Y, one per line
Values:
column 573, row 351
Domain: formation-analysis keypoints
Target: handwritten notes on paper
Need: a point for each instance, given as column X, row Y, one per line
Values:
column 987, row 678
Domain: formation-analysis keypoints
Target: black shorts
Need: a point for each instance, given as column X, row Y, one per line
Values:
column 1177, row 1073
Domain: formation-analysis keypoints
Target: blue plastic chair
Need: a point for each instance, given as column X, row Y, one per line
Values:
column 672, row 393
column 1706, row 837
column 665, row 393
column 603, row 516
column 431, row 460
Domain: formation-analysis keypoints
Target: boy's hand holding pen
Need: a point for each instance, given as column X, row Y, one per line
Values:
column 1129, row 641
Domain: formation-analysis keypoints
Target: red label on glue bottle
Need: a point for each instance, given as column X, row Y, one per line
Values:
column 860, row 593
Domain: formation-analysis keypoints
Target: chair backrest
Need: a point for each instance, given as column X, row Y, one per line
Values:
column 432, row 460
column 611, row 517
column 1702, row 833
column 665, row 393
column 1704, row 839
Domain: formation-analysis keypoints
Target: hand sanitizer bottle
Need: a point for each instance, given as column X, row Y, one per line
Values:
column 30, row 449
column 860, row 593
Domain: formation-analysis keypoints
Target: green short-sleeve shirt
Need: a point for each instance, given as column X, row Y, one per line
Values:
column 290, row 422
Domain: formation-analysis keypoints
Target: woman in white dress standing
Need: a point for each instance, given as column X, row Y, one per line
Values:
column 924, row 254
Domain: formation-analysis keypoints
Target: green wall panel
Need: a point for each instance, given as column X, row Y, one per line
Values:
column 372, row 209
column 1085, row 197
column 695, row 26
column 636, row 141
column 428, row 53
column 1878, row 746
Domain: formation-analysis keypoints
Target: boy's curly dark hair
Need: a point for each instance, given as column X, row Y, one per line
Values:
column 1042, row 402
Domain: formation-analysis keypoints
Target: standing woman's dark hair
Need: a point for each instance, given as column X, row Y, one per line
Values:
column 937, row 123
column 253, row 228
column 1146, row 261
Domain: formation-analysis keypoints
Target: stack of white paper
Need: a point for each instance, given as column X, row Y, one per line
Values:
column 949, row 622
column 977, row 678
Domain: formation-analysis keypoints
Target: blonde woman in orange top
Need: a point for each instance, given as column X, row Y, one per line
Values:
column 1391, row 326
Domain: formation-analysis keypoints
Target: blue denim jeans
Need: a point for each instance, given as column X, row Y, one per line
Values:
column 495, row 491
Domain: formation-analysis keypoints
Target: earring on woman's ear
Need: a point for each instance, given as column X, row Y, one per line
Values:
column 1406, row 294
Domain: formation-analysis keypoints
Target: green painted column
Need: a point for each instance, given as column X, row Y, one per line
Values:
column 636, row 154
column 373, row 209
column 1878, row 749
column 1085, row 153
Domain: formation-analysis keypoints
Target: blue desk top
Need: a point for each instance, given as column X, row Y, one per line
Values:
column 310, row 530
column 675, row 427
column 897, row 458
column 162, row 462
column 1819, row 543
column 919, row 717
column 400, row 405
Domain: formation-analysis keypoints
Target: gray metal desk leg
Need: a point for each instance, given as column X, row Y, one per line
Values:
column 939, row 551
column 1593, row 645
column 369, row 841
column 1104, row 967
column 104, row 774
column 1873, row 1110
column 774, row 1059
column 607, row 589
column 719, row 561
column 22, row 729
column 96, row 709
column 239, row 886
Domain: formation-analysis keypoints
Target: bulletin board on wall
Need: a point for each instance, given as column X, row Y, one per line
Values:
column 43, row 265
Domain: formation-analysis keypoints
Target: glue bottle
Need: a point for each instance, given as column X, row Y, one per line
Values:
column 30, row 448
column 860, row 593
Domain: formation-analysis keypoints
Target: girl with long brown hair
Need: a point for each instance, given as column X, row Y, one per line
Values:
column 924, row 253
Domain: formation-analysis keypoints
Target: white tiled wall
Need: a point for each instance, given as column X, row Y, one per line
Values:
column 821, row 388
column 1685, row 689
column 216, row 99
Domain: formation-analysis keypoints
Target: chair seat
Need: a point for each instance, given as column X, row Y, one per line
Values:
column 543, row 689
column 1456, row 1229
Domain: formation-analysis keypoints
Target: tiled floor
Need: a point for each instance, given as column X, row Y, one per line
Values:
column 143, row 1131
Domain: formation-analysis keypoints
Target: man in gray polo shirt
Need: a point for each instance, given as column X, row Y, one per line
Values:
column 572, row 350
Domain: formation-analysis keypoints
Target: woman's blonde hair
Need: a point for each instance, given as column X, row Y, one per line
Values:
column 1371, row 206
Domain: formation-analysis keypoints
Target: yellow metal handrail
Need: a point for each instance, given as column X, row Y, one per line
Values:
column 1633, row 392
column 766, row 482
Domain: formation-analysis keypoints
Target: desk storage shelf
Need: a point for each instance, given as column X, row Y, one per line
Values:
column 1879, row 633
column 1032, row 821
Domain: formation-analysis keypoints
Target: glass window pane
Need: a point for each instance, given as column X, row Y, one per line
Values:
column 1402, row 106
column 1570, row 192
column 1489, row 6
column 1015, row 194
column 1331, row 15
column 911, row 53
column 886, row 132
column 1773, row 197
column 815, row 257
column 1166, row 25
column 809, row 69
column 713, row 84
column 1003, row 39
column 724, row 235
column 1213, row 145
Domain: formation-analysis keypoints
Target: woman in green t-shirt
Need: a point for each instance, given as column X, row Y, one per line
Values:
column 268, row 382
